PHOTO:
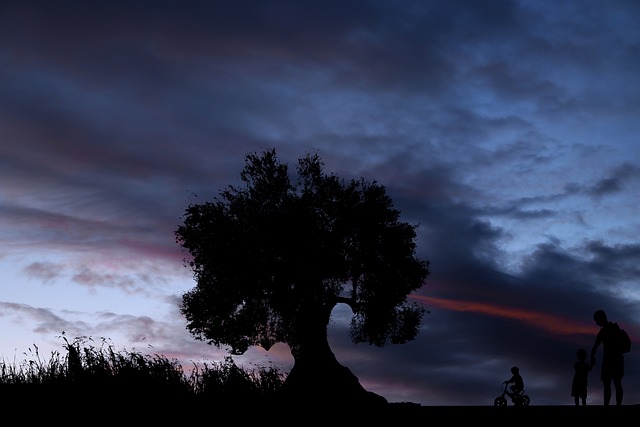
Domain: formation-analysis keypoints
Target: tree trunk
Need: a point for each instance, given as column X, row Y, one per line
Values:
column 318, row 378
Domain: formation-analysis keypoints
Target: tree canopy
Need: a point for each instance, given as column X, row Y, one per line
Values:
column 271, row 259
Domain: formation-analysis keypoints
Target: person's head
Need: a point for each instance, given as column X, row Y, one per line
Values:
column 515, row 370
column 582, row 354
column 600, row 317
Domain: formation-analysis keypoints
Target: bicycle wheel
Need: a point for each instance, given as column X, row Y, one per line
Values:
column 500, row 401
column 524, row 400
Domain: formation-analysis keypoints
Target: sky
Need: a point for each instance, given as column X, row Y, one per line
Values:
column 507, row 130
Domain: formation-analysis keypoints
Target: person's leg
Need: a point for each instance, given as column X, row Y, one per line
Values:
column 617, row 383
column 606, row 385
column 576, row 400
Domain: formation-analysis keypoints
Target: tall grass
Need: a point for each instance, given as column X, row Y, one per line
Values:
column 90, row 370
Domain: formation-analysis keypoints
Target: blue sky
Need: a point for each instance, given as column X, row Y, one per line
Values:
column 508, row 130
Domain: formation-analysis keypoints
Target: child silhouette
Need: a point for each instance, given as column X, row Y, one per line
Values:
column 517, row 390
column 518, row 382
column 580, row 377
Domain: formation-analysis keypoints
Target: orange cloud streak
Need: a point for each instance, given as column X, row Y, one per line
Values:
column 556, row 325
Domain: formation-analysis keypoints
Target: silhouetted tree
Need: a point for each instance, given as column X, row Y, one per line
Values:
column 272, row 258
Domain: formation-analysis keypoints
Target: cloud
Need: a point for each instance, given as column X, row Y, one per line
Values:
column 507, row 130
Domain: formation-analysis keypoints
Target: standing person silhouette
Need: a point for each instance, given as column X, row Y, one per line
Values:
column 612, row 366
column 580, row 378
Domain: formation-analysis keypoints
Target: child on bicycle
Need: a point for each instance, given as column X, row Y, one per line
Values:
column 518, row 382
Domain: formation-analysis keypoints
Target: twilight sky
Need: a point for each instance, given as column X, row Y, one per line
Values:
column 508, row 130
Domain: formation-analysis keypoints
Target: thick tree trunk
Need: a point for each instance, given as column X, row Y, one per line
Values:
column 318, row 378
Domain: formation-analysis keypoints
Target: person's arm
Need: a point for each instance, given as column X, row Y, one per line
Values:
column 596, row 344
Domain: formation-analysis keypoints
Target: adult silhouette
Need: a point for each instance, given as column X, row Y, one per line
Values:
column 612, row 366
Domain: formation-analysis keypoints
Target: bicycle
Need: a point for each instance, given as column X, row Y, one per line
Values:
column 518, row 399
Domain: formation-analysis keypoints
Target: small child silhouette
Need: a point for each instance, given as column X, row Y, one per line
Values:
column 580, row 377
column 518, row 382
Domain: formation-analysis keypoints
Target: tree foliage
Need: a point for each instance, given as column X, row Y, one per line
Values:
column 272, row 257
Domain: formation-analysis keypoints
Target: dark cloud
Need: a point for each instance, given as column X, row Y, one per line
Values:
column 44, row 271
column 615, row 182
column 507, row 130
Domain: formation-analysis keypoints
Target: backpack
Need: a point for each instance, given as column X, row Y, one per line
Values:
column 624, row 341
